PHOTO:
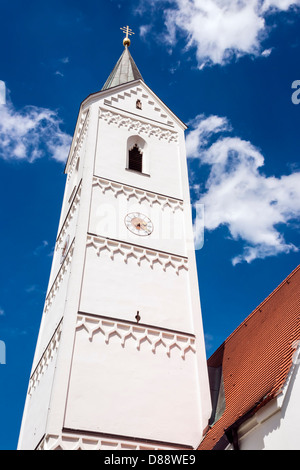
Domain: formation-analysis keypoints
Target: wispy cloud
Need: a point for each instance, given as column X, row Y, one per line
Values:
column 64, row 61
column 13, row 332
column 255, row 208
column 32, row 133
column 2, row 313
column 40, row 248
column 32, row 288
column 218, row 30
column 267, row 52
column 209, row 341
column 144, row 30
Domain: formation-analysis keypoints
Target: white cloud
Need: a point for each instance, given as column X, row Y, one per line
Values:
column 267, row 52
column 2, row 313
column 201, row 131
column 220, row 29
column 144, row 30
column 283, row 5
column 31, row 133
column 238, row 195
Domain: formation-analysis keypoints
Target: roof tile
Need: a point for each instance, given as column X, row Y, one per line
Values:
column 257, row 356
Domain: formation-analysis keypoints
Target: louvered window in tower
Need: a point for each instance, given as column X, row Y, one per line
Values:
column 135, row 159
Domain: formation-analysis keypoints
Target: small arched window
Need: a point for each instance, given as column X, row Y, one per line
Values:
column 135, row 159
column 137, row 155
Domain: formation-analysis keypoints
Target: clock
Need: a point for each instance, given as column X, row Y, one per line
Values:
column 139, row 224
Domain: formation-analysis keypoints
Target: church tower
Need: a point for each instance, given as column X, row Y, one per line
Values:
column 120, row 359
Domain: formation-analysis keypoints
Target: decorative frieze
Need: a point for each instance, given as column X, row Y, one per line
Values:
column 59, row 278
column 140, row 195
column 76, row 441
column 79, row 139
column 143, row 97
column 137, row 125
column 45, row 360
column 68, row 219
column 138, row 253
column 155, row 337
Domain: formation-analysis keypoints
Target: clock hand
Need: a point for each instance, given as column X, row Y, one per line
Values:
column 144, row 227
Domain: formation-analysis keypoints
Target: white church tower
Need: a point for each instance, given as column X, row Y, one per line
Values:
column 120, row 359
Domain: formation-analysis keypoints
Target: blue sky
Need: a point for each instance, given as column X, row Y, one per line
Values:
column 226, row 68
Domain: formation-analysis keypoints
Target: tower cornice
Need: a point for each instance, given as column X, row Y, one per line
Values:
column 90, row 99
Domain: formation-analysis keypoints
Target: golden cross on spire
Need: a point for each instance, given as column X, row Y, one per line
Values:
column 126, row 30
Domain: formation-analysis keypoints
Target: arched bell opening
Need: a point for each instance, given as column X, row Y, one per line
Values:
column 137, row 154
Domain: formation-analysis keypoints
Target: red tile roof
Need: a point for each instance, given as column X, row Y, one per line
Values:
column 257, row 356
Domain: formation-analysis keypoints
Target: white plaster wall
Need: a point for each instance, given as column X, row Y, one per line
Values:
column 52, row 317
column 164, row 176
column 162, row 153
column 68, row 218
column 76, row 165
column 119, row 289
column 281, row 430
column 72, row 182
column 124, row 391
column 113, row 388
column 36, row 409
column 68, row 232
column 59, row 273
column 108, row 212
column 291, row 413
column 162, row 297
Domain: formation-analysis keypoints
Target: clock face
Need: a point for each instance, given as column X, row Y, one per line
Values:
column 139, row 224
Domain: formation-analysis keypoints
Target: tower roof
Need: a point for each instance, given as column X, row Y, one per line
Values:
column 124, row 71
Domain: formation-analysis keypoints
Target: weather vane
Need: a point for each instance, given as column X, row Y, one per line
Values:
column 126, row 30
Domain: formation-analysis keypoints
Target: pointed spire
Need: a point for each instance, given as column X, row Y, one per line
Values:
column 125, row 69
